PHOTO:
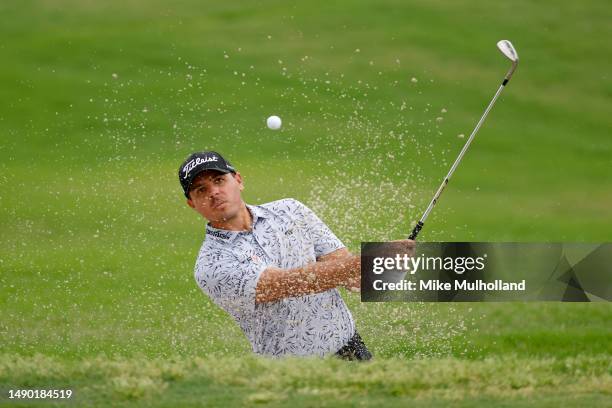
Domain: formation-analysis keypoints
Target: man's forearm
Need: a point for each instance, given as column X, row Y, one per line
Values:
column 275, row 284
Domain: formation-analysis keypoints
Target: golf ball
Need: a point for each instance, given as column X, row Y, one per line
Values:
column 274, row 122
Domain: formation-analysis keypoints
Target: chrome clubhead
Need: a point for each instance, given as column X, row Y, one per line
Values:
column 509, row 52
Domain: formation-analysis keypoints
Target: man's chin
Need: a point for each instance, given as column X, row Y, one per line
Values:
column 221, row 216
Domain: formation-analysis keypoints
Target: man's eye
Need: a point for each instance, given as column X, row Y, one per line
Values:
column 219, row 180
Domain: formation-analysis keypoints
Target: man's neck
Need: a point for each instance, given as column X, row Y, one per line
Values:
column 241, row 222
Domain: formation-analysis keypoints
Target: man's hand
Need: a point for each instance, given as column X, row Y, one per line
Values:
column 390, row 249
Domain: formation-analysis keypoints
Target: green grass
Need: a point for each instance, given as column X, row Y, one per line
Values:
column 101, row 101
column 197, row 380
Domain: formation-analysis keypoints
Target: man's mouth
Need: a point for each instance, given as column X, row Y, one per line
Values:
column 218, row 204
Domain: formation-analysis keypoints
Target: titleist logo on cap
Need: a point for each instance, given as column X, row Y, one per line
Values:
column 196, row 162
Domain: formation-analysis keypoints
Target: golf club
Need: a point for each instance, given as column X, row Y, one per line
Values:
column 508, row 50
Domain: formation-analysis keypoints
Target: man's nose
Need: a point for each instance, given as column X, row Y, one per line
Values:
column 213, row 191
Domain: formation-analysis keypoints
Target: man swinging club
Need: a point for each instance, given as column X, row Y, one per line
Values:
column 273, row 267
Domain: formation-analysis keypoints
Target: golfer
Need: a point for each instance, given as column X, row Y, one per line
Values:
column 273, row 267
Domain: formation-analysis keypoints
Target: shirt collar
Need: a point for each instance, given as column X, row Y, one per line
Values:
column 257, row 212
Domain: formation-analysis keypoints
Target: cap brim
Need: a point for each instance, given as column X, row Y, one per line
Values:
column 197, row 173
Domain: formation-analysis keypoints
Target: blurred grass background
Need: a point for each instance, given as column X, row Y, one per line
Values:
column 101, row 101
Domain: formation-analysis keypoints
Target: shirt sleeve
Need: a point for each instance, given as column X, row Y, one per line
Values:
column 229, row 281
column 323, row 239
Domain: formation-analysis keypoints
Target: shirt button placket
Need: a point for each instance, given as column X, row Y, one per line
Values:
column 263, row 245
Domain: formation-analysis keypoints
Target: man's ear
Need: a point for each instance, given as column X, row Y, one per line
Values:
column 238, row 178
column 190, row 203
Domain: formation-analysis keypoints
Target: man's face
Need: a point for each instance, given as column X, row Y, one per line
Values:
column 216, row 196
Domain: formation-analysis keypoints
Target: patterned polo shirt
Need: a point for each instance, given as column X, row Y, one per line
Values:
column 285, row 234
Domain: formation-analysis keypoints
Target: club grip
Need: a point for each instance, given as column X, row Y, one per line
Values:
column 416, row 230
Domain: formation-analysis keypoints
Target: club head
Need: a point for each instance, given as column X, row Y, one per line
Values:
column 508, row 50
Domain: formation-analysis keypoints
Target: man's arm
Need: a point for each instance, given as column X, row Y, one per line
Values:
column 332, row 270
column 338, row 268
column 354, row 283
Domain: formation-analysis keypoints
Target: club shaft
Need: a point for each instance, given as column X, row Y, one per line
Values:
column 433, row 202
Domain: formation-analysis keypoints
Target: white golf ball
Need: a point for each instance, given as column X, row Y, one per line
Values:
column 274, row 122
